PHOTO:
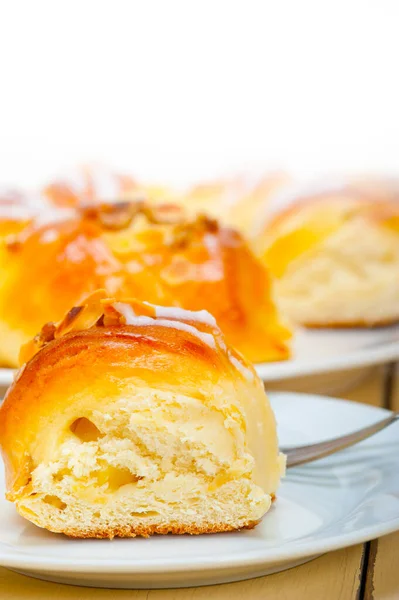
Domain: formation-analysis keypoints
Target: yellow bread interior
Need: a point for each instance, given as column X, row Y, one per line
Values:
column 335, row 261
column 350, row 277
column 155, row 459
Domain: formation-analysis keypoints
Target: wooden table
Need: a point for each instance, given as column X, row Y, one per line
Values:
column 367, row 571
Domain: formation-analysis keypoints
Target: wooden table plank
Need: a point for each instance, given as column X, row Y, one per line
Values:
column 383, row 573
column 369, row 389
column 382, row 581
column 395, row 392
column 332, row 576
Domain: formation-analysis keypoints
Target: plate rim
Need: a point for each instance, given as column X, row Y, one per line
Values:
column 257, row 558
column 364, row 357
column 169, row 566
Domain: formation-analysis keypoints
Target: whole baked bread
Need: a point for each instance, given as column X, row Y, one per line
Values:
column 133, row 249
column 131, row 419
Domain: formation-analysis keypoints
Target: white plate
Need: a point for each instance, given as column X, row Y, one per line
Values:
column 326, row 350
column 323, row 360
column 331, row 360
column 345, row 499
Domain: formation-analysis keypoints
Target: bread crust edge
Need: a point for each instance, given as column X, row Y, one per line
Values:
column 158, row 529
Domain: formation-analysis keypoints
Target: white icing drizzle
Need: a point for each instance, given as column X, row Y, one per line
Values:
column 140, row 320
column 173, row 312
column 245, row 372
column 201, row 316
column 126, row 311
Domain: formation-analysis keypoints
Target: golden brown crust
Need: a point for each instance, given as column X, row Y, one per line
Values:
column 147, row 531
column 99, row 316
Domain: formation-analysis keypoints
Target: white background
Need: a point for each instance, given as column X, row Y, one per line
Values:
column 178, row 89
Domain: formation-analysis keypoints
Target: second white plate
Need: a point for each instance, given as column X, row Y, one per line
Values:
column 331, row 360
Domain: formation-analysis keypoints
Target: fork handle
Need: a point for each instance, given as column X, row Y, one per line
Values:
column 304, row 454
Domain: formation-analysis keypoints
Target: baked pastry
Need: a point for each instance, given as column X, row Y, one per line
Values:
column 335, row 255
column 132, row 419
column 90, row 184
column 238, row 201
column 151, row 253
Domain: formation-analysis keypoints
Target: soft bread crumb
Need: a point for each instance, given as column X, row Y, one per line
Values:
column 349, row 279
column 156, row 462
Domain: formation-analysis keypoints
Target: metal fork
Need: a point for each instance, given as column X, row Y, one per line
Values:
column 304, row 454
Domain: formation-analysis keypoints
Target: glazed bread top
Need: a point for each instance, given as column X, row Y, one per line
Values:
column 313, row 217
column 106, row 348
column 152, row 253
